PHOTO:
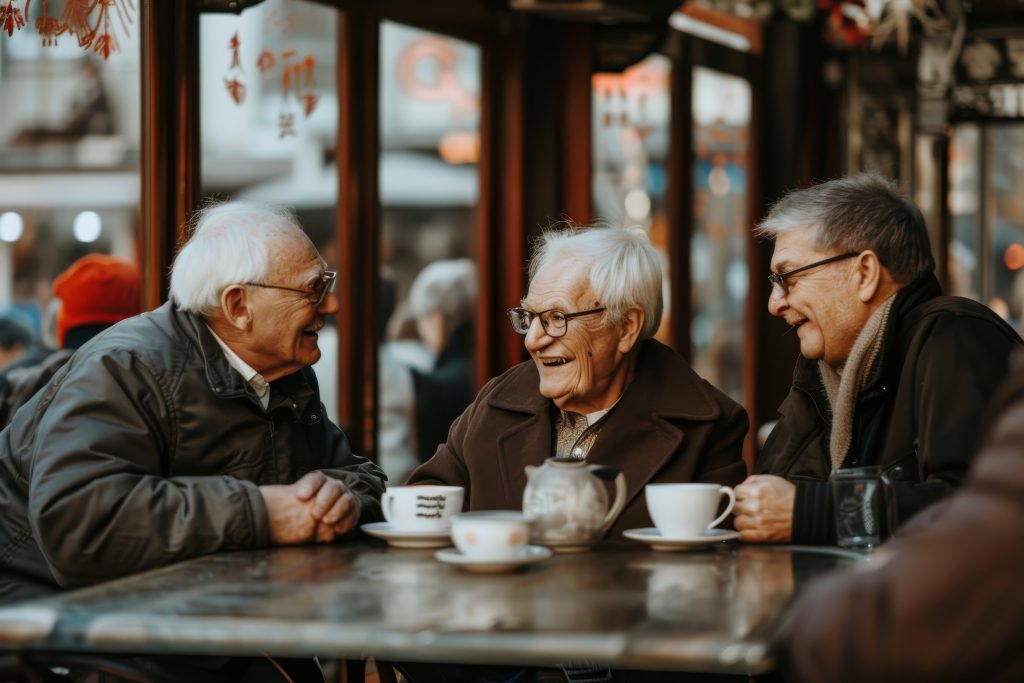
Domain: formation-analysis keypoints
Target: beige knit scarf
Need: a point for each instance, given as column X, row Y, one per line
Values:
column 843, row 387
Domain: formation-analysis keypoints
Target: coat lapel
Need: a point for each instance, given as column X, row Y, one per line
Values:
column 528, row 440
column 648, row 426
column 644, row 431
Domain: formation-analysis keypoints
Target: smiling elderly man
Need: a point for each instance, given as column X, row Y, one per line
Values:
column 191, row 429
column 891, row 373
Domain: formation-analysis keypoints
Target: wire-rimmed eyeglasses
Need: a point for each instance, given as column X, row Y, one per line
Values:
column 554, row 321
column 779, row 279
column 316, row 295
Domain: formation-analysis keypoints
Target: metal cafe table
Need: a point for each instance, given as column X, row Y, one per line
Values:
column 625, row 606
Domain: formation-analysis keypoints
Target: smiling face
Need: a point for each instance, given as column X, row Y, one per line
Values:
column 821, row 303
column 284, row 325
column 582, row 371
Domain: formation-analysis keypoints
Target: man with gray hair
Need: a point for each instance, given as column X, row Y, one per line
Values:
column 192, row 429
column 891, row 373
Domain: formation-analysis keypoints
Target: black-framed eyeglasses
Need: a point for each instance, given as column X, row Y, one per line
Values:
column 779, row 279
column 554, row 321
column 315, row 295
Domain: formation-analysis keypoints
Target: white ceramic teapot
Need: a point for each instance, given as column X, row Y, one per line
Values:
column 567, row 501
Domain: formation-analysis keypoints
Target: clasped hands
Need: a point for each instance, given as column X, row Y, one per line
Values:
column 315, row 509
column 764, row 509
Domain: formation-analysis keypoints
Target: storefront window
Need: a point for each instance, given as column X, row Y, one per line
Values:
column 69, row 162
column 429, row 189
column 630, row 142
column 718, row 250
column 986, row 253
column 268, row 118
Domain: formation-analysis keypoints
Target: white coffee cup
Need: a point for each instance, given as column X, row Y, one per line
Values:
column 491, row 535
column 686, row 510
column 421, row 508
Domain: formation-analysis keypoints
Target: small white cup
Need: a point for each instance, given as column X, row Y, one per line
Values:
column 421, row 508
column 686, row 510
column 491, row 535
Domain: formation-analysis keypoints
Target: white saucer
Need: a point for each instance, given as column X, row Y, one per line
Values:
column 409, row 539
column 528, row 555
column 653, row 537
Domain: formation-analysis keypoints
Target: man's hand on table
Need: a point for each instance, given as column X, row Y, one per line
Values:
column 316, row 508
column 764, row 509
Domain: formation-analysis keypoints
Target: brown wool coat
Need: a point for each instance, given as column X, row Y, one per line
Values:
column 670, row 426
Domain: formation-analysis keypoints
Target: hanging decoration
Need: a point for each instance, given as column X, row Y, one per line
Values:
column 49, row 27
column 857, row 23
column 236, row 88
column 895, row 19
column 11, row 16
column 96, row 34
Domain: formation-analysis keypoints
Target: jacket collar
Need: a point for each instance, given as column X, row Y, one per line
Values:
column 642, row 432
column 226, row 382
column 923, row 289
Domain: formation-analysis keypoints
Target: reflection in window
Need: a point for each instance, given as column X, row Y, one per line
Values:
column 428, row 180
column 268, row 117
column 964, row 205
column 986, row 190
column 721, row 119
column 1004, row 225
column 630, row 140
column 69, row 164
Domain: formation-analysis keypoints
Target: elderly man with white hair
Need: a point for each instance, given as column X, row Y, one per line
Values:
column 598, row 387
column 192, row 429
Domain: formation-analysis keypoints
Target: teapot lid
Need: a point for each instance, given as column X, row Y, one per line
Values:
column 566, row 462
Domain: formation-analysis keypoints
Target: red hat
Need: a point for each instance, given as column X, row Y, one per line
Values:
column 97, row 289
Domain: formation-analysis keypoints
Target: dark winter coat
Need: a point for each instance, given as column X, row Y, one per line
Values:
column 147, row 448
column 919, row 415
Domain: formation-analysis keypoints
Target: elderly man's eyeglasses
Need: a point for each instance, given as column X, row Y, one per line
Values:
column 779, row 279
column 554, row 321
column 314, row 295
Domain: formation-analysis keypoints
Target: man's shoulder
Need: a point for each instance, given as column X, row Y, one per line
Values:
column 154, row 338
column 957, row 311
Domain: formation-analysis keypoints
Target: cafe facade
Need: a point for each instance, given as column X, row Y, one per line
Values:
column 403, row 133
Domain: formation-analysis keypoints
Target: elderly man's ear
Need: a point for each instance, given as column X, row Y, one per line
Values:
column 234, row 304
column 629, row 329
column 872, row 278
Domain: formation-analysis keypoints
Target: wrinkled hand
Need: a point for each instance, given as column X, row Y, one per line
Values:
column 316, row 508
column 764, row 509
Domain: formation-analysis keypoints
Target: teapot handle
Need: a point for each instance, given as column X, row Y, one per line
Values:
column 620, row 493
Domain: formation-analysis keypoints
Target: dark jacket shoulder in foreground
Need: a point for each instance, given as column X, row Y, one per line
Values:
column 669, row 426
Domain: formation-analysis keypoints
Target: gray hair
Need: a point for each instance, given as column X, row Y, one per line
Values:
column 859, row 212
column 448, row 287
column 229, row 244
column 625, row 268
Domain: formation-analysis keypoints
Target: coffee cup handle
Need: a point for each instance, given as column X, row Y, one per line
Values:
column 617, row 504
column 385, row 505
column 727, row 490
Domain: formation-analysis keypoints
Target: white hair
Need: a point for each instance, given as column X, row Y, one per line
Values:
column 229, row 244
column 625, row 268
column 448, row 287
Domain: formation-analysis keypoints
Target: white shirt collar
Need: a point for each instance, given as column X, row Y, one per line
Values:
column 255, row 379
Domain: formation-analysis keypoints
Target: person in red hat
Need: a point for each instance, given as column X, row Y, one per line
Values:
column 95, row 292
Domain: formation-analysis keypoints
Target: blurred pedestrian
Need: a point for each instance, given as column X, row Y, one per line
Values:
column 95, row 292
